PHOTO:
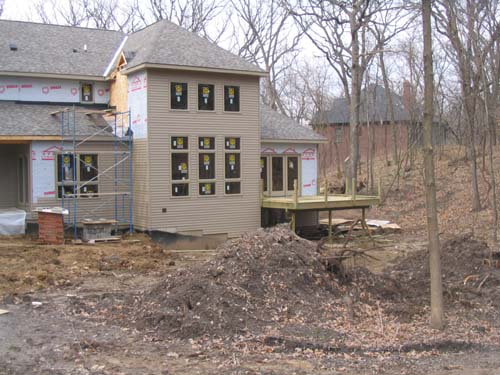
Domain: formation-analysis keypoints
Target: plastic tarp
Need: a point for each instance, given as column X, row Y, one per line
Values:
column 12, row 221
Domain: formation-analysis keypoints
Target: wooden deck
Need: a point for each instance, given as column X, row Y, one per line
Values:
column 321, row 202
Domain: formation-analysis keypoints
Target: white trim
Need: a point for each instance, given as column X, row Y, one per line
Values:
column 133, row 69
column 115, row 56
column 53, row 75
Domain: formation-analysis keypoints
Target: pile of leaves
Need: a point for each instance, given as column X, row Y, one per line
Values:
column 262, row 278
column 471, row 272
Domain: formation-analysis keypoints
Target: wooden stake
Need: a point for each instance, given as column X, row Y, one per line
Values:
column 295, row 193
column 329, row 226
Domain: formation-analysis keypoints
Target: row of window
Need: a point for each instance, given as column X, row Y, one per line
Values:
column 206, row 97
column 206, row 166
column 80, row 176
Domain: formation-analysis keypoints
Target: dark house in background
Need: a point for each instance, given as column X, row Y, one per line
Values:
column 375, row 117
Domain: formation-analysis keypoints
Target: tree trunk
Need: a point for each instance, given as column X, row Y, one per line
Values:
column 437, row 314
column 390, row 110
column 355, row 100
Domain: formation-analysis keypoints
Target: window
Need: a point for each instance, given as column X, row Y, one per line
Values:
column 263, row 172
column 339, row 133
column 77, row 175
column 87, row 93
column 292, row 172
column 206, row 165
column 206, row 95
column 232, row 143
column 180, row 166
column 231, row 98
column 207, row 188
column 178, row 95
column 277, row 173
column 206, row 143
column 232, row 166
column 179, row 143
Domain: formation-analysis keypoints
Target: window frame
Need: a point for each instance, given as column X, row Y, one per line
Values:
column 238, row 96
column 77, row 182
column 209, row 151
column 213, row 96
column 180, row 182
column 172, row 83
column 233, row 151
column 92, row 96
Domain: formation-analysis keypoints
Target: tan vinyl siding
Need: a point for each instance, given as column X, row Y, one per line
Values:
column 98, row 207
column 221, row 213
column 141, row 197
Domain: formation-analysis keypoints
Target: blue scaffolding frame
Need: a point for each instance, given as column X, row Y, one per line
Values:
column 118, row 130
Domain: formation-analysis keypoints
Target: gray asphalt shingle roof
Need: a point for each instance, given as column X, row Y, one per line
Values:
column 276, row 126
column 166, row 43
column 36, row 120
column 48, row 49
column 373, row 107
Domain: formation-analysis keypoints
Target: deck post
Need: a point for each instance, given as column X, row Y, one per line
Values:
column 329, row 226
column 379, row 187
column 293, row 221
column 354, row 188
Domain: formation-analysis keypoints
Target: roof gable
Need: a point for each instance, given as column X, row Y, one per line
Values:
column 164, row 43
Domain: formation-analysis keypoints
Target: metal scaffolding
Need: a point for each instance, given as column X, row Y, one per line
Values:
column 119, row 200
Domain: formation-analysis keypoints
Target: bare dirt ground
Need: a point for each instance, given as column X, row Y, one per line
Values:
column 263, row 304
column 93, row 316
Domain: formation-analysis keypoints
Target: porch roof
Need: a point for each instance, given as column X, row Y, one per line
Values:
column 38, row 120
column 276, row 127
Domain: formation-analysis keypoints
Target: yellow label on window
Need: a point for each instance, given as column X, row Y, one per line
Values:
column 262, row 163
column 178, row 89
column 184, row 167
column 232, row 142
column 180, row 142
column 206, row 159
column 208, row 188
column 88, row 159
column 231, row 92
column 206, row 90
column 86, row 89
column 232, row 159
column 206, row 142
column 66, row 160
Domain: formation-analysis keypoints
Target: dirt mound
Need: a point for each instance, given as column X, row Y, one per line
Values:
column 262, row 278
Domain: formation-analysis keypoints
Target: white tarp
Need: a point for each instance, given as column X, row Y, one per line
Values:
column 12, row 221
column 138, row 104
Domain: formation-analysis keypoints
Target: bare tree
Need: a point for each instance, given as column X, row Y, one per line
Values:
column 342, row 32
column 471, row 29
column 437, row 314
column 193, row 15
column 266, row 36
column 59, row 12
